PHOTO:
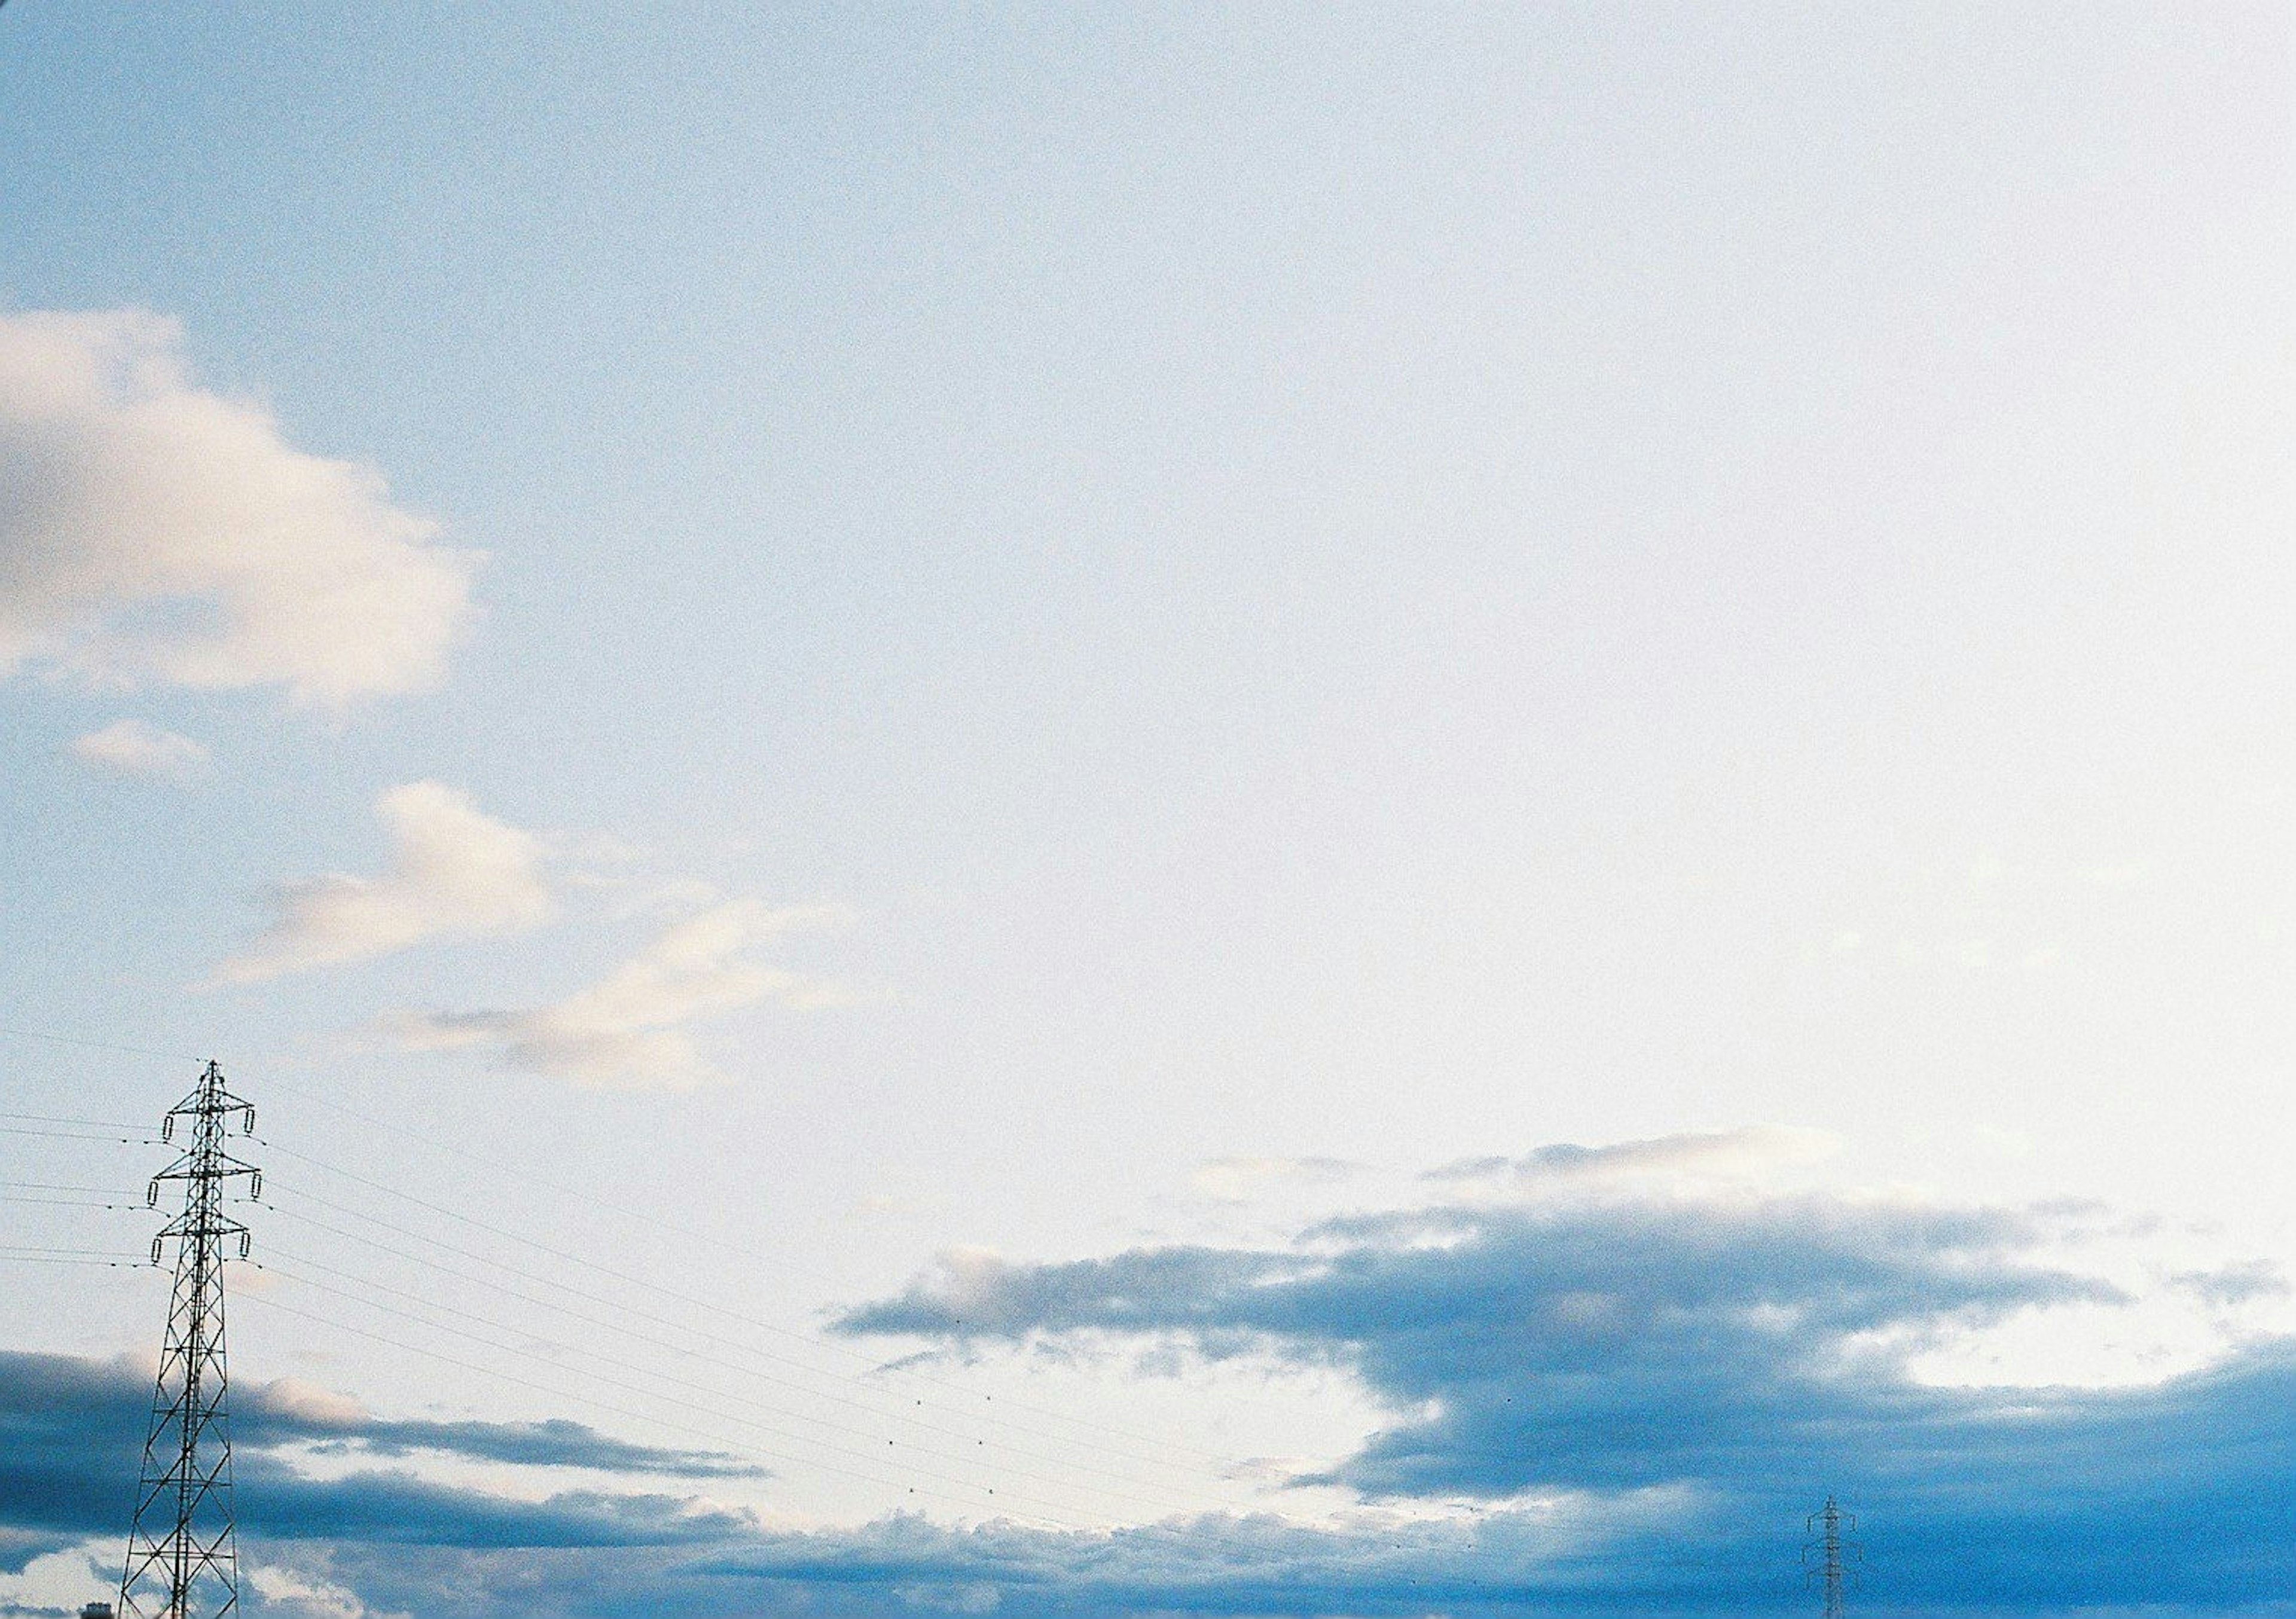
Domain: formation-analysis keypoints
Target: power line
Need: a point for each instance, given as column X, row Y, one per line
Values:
column 66, row 1135
column 749, row 1370
column 714, row 1412
column 811, row 1340
column 581, row 1398
column 753, row 1322
column 189, row 1173
column 8, row 1256
column 870, row 1383
column 839, row 1427
column 63, row 1202
column 96, row 1045
column 579, row 1260
column 686, row 1326
column 750, row 1256
column 874, row 1363
column 1202, row 1508
column 865, row 1474
column 92, row 1123
column 27, row 1250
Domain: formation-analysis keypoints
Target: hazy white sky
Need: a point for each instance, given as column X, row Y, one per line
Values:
column 1010, row 628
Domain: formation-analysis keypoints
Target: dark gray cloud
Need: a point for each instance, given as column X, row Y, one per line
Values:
column 1753, row 1353
column 400, row 1509
column 265, row 1418
column 1610, row 1346
column 71, row 1434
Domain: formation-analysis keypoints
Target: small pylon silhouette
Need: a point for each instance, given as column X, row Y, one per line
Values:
column 183, row 1554
column 1830, row 1558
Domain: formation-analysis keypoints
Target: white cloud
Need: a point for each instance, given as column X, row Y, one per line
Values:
column 134, row 748
column 308, row 1402
column 288, row 1591
column 455, row 872
column 59, row 1582
column 153, row 531
column 625, row 1031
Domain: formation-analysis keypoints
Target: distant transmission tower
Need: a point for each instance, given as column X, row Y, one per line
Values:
column 1830, row 1557
column 183, row 1555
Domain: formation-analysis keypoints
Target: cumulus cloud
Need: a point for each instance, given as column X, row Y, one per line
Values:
column 134, row 748
column 628, row 1029
column 151, row 529
column 53, row 1585
column 454, row 873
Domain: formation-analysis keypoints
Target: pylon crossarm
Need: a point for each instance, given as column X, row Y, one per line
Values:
column 186, row 1169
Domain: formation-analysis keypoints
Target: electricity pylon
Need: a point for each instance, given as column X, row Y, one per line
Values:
column 1830, row 1558
column 183, row 1554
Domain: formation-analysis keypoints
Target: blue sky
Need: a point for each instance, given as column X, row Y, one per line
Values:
column 1235, row 684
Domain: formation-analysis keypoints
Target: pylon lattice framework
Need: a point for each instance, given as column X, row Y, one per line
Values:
column 183, row 1554
column 1831, row 1558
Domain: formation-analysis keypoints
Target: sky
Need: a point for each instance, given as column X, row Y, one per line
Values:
column 1345, row 810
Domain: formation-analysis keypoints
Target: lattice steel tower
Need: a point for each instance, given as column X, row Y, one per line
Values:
column 1831, row 1558
column 183, row 1555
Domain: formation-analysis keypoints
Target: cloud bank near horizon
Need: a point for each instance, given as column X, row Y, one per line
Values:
column 75, row 1430
column 1618, row 1401
column 1601, row 1340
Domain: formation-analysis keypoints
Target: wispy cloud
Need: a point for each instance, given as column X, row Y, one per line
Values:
column 629, row 1029
column 288, row 1411
column 133, row 748
column 1748, row 1153
column 454, row 872
column 151, row 529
